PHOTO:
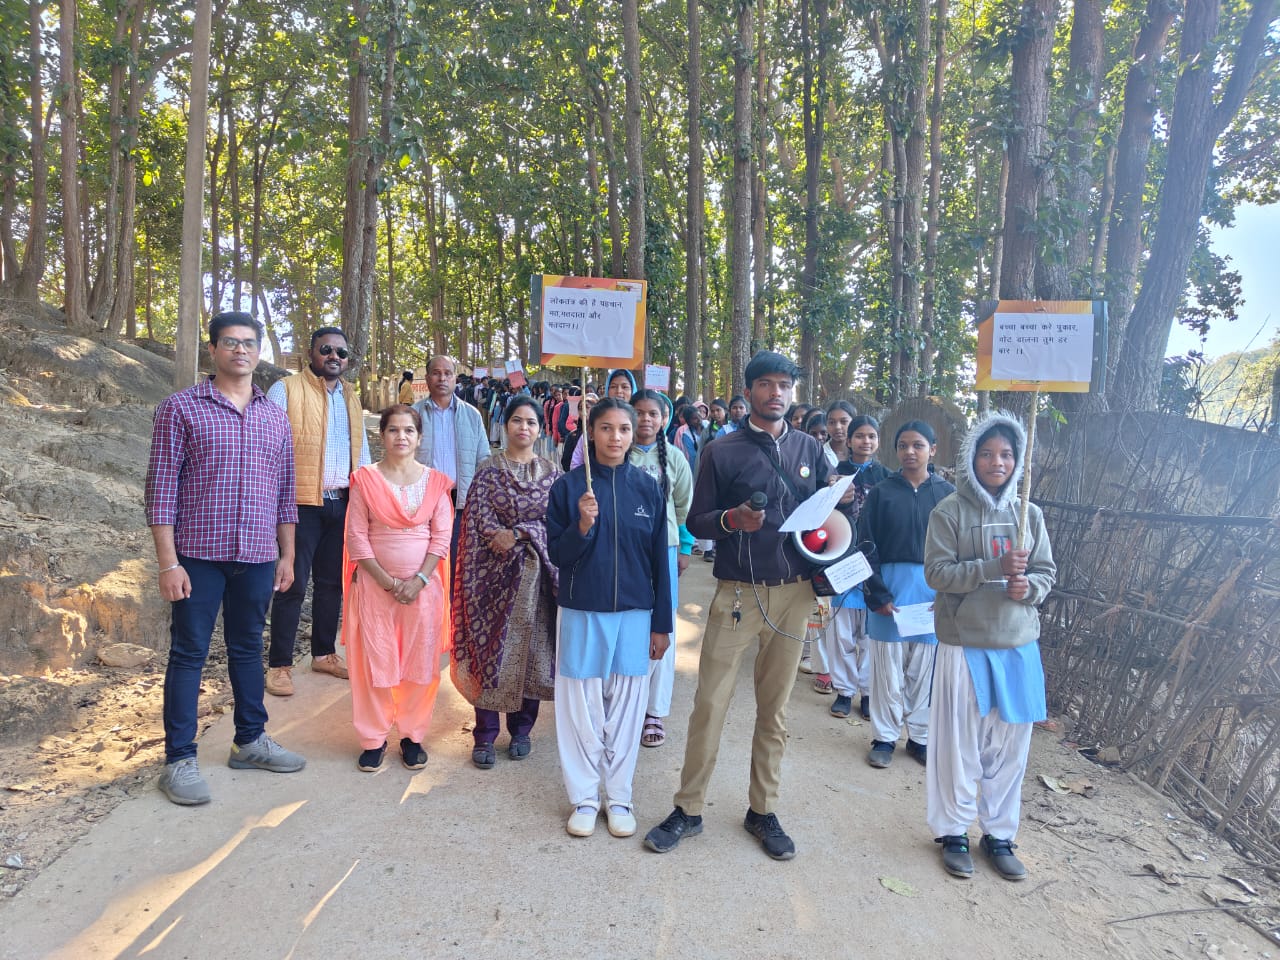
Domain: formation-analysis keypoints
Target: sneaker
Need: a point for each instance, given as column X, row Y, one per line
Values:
column 621, row 818
column 264, row 754
column 822, row 684
column 864, row 707
column 484, row 756
column 519, row 748
column 955, row 856
column 669, row 832
column 181, row 782
column 709, row 556
column 766, row 828
column 371, row 759
column 331, row 665
column 582, row 822
column 806, row 665
column 411, row 754
column 841, row 706
column 1000, row 853
column 280, row 681
column 881, row 754
column 918, row 752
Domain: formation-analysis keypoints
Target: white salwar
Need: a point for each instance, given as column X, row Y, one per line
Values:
column 901, row 674
column 598, row 724
column 847, row 657
column 662, row 679
column 976, row 763
column 815, row 647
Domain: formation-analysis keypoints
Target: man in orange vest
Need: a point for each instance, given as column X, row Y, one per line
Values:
column 329, row 443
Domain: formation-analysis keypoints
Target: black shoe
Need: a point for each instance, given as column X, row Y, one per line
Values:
column 709, row 556
column 371, row 760
column 484, row 756
column 669, row 832
column 766, row 828
column 519, row 749
column 955, row 856
column 1000, row 853
column 864, row 707
column 881, row 754
column 918, row 751
column 412, row 755
column 842, row 706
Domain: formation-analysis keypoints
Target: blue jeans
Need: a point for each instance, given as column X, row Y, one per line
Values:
column 317, row 557
column 242, row 591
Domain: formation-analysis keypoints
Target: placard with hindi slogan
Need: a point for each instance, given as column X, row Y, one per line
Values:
column 589, row 321
column 1050, row 345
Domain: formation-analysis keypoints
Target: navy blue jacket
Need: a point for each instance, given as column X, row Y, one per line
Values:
column 892, row 527
column 622, row 563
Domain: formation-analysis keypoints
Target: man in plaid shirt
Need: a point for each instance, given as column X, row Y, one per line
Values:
column 220, row 504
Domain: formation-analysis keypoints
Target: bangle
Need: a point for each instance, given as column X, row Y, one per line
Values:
column 167, row 569
column 423, row 577
column 725, row 525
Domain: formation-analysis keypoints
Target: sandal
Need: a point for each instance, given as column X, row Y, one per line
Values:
column 653, row 735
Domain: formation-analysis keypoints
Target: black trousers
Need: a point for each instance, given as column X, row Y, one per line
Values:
column 317, row 558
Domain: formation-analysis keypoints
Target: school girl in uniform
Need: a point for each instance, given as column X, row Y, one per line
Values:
column 851, row 450
column 891, row 532
column 988, row 683
column 814, row 657
column 610, row 544
column 652, row 454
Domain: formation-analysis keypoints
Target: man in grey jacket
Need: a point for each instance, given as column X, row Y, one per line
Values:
column 453, row 439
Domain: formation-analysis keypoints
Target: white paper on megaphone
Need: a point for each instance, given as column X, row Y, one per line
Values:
column 848, row 573
column 813, row 512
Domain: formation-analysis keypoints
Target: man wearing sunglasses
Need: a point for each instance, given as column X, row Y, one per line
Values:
column 329, row 443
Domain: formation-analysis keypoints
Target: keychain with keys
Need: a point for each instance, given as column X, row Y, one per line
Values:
column 737, row 607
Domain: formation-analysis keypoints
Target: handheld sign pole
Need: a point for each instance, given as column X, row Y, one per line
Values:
column 1026, row 471
column 582, row 421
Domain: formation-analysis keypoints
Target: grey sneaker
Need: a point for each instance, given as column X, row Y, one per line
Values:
column 264, row 754
column 181, row 782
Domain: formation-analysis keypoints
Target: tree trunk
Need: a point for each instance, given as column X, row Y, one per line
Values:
column 694, row 210
column 593, row 188
column 928, row 305
column 75, row 296
column 634, row 146
column 187, row 338
column 813, row 110
column 740, row 265
column 237, row 215
column 759, row 189
column 1193, row 131
column 27, row 287
column 357, row 169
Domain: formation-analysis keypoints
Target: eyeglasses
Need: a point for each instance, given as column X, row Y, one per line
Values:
column 342, row 352
column 232, row 343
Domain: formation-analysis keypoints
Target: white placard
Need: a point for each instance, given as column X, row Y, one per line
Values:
column 1042, row 346
column 587, row 321
column 481, row 372
column 657, row 377
column 848, row 573
column 914, row 620
column 813, row 512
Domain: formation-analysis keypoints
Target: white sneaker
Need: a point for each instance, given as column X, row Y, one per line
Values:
column 622, row 819
column 582, row 822
column 806, row 665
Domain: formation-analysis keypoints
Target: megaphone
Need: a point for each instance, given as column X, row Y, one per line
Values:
column 831, row 548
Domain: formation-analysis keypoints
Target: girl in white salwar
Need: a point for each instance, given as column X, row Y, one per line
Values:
column 609, row 540
column 988, row 683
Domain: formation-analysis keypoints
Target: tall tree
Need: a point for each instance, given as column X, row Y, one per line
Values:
column 694, row 213
column 190, row 291
column 27, row 287
column 75, row 294
column 740, row 244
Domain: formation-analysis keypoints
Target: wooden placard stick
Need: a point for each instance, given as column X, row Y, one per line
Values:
column 582, row 419
column 1026, row 471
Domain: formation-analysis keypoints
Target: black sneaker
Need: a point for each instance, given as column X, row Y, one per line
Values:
column 371, row 760
column 1000, row 853
column 669, row 832
column 918, row 751
column 955, row 856
column 412, row 755
column 881, row 754
column 766, row 828
column 709, row 556
column 842, row 706
column 864, row 707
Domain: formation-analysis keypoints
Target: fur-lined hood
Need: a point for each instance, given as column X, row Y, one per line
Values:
column 968, row 484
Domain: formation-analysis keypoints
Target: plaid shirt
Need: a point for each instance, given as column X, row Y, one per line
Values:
column 223, row 479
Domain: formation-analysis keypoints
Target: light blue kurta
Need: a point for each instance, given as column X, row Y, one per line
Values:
column 906, row 582
column 1011, row 681
column 595, row 645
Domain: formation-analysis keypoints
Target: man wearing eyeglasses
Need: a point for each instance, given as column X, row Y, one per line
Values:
column 220, row 504
column 329, row 443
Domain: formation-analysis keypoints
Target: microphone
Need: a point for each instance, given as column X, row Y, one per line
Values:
column 759, row 500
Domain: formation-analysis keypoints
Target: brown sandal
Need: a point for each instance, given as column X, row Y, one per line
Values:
column 653, row 735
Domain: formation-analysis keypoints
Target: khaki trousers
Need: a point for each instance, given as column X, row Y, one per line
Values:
column 788, row 608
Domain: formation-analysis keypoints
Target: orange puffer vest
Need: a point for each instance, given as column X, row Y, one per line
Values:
column 308, row 406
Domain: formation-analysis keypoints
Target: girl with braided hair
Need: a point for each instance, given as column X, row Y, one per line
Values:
column 652, row 454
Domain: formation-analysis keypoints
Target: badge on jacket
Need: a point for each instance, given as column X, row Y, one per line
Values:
column 804, row 471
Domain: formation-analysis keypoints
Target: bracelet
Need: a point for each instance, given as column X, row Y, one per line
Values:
column 421, row 576
column 724, row 522
column 174, row 567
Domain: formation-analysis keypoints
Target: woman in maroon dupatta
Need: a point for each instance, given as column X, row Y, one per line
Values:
column 504, row 612
column 396, row 621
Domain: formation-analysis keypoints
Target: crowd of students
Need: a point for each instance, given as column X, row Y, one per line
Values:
column 563, row 586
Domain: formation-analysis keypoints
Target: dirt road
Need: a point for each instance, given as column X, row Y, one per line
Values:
column 453, row 862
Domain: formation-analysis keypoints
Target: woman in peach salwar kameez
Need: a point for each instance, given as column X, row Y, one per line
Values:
column 397, row 622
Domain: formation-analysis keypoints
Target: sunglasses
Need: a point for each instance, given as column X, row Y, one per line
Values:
column 342, row 352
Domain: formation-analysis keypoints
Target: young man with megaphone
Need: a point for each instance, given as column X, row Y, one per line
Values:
column 747, row 484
